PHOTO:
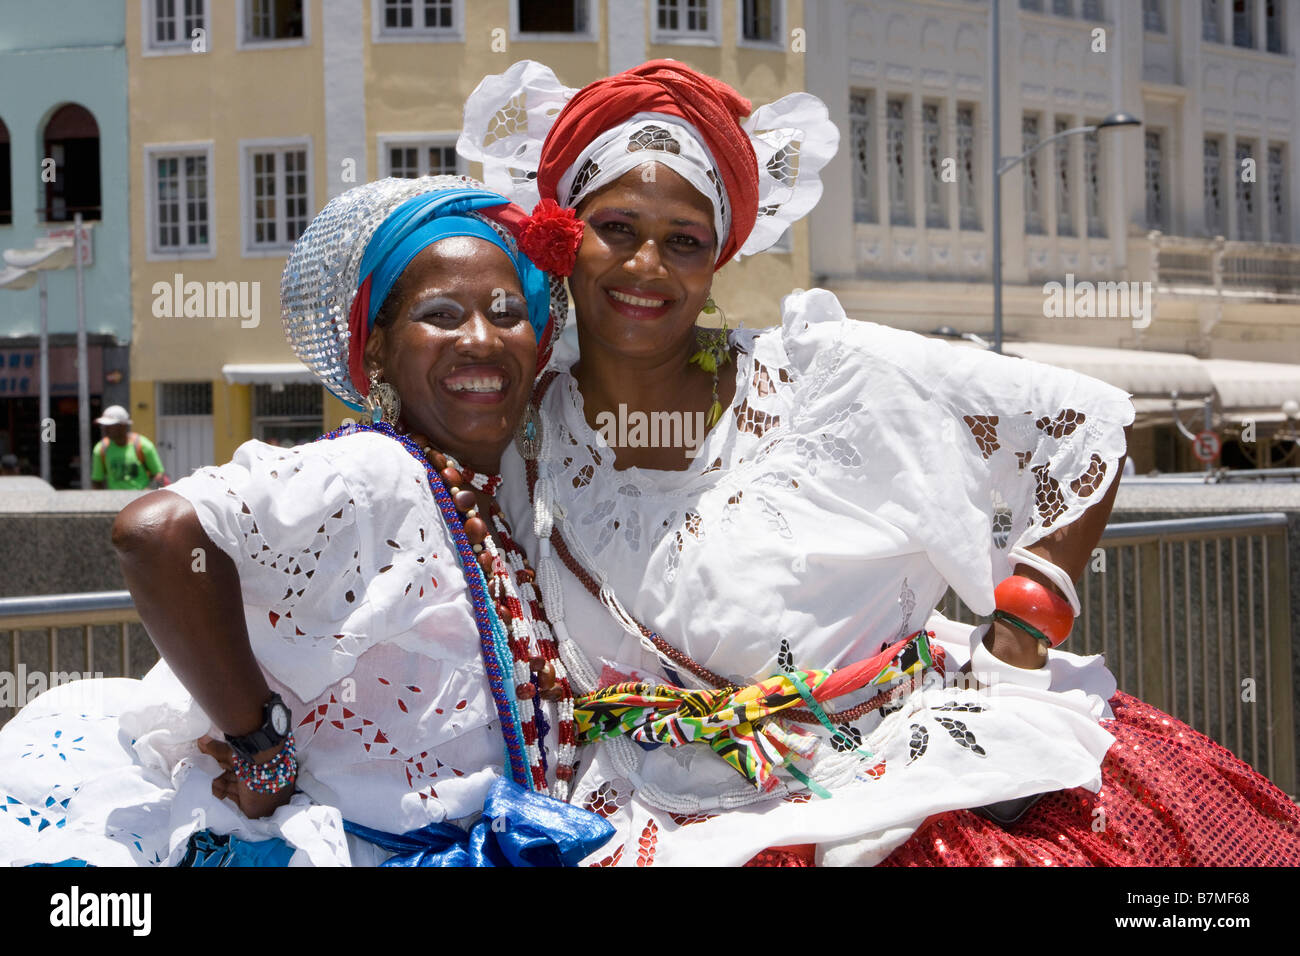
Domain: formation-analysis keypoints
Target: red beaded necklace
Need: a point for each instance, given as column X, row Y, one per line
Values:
column 538, row 670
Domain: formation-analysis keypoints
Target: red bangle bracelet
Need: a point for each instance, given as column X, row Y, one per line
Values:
column 1035, row 606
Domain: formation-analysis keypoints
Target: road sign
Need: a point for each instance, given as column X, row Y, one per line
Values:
column 1207, row 446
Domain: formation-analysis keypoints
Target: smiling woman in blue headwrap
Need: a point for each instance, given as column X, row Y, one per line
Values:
column 392, row 691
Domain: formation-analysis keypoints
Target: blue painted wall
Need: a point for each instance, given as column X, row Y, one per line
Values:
column 54, row 52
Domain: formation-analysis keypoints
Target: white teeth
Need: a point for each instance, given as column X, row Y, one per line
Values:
column 490, row 384
column 636, row 300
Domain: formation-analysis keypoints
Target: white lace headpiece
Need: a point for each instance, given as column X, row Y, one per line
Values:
column 509, row 115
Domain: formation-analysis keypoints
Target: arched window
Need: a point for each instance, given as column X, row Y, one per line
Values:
column 6, row 190
column 72, row 185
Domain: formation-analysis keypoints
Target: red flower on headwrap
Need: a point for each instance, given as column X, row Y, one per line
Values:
column 551, row 237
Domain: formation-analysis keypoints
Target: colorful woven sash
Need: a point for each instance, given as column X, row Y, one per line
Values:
column 736, row 722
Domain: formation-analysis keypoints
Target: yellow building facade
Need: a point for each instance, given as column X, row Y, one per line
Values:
column 247, row 117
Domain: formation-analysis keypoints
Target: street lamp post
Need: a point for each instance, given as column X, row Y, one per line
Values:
column 1003, row 164
column 83, row 360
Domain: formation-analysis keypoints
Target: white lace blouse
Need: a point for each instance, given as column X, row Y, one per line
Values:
column 859, row 472
column 357, row 611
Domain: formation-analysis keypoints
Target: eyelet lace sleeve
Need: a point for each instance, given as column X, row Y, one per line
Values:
column 338, row 547
column 969, row 452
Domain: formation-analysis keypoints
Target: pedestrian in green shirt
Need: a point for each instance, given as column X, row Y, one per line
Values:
column 124, row 459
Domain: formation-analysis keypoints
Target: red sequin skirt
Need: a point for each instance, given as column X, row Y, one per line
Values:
column 1170, row 796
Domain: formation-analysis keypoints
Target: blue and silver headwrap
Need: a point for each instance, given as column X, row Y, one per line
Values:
column 419, row 222
column 346, row 262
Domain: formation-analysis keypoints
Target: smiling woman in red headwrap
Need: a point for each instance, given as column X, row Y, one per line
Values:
column 798, row 541
column 712, row 109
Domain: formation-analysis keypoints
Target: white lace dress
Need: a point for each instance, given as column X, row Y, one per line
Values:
column 357, row 611
column 859, row 472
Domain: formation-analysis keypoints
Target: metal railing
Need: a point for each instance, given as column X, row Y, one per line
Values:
column 63, row 637
column 1193, row 616
column 1153, row 598
column 1191, row 265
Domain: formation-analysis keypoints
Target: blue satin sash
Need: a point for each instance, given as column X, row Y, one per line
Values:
column 517, row 828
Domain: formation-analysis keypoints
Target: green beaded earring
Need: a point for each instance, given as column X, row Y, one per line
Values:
column 712, row 354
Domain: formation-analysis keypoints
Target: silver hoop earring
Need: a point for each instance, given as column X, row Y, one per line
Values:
column 383, row 403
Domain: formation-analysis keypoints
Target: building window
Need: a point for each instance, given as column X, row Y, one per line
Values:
column 1155, row 181
column 1212, row 167
column 1243, row 23
column 862, row 143
column 185, row 398
column 1211, row 26
column 268, row 20
column 896, row 155
column 1034, row 5
column 288, row 415
column 684, row 18
column 1247, row 212
column 1064, row 183
column 180, row 204
column 1091, row 10
column 72, row 142
column 417, row 16
column 1273, row 26
column 1033, row 184
column 6, row 185
column 1093, row 183
column 279, row 196
column 966, row 189
column 173, row 22
column 936, row 213
column 409, row 160
column 1153, row 16
column 547, row 16
column 1278, row 226
column 760, row 21
column 1063, row 8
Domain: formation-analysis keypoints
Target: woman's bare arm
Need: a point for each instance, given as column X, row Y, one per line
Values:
column 194, row 611
column 1070, row 549
column 195, row 617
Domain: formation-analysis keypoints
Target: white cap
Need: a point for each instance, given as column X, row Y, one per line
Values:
column 114, row 415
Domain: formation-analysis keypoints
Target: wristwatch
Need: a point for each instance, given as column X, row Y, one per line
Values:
column 275, row 727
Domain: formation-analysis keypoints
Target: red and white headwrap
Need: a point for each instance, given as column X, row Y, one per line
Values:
column 538, row 139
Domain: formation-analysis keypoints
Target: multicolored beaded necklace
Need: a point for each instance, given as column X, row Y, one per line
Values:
column 518, row 645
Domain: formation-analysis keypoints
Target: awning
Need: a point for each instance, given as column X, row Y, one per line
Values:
column 1241, row 389
column 1257, row 389
column 1143, row 374
column 284, row 373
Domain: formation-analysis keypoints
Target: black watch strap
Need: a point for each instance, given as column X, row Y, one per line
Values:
column 267, row 736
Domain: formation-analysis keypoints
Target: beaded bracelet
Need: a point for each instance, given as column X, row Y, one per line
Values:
column 273, row 775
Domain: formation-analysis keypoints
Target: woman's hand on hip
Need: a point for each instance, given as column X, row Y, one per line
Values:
column 252, row 804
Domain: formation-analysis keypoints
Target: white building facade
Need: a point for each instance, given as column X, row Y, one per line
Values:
column 1200, row 201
